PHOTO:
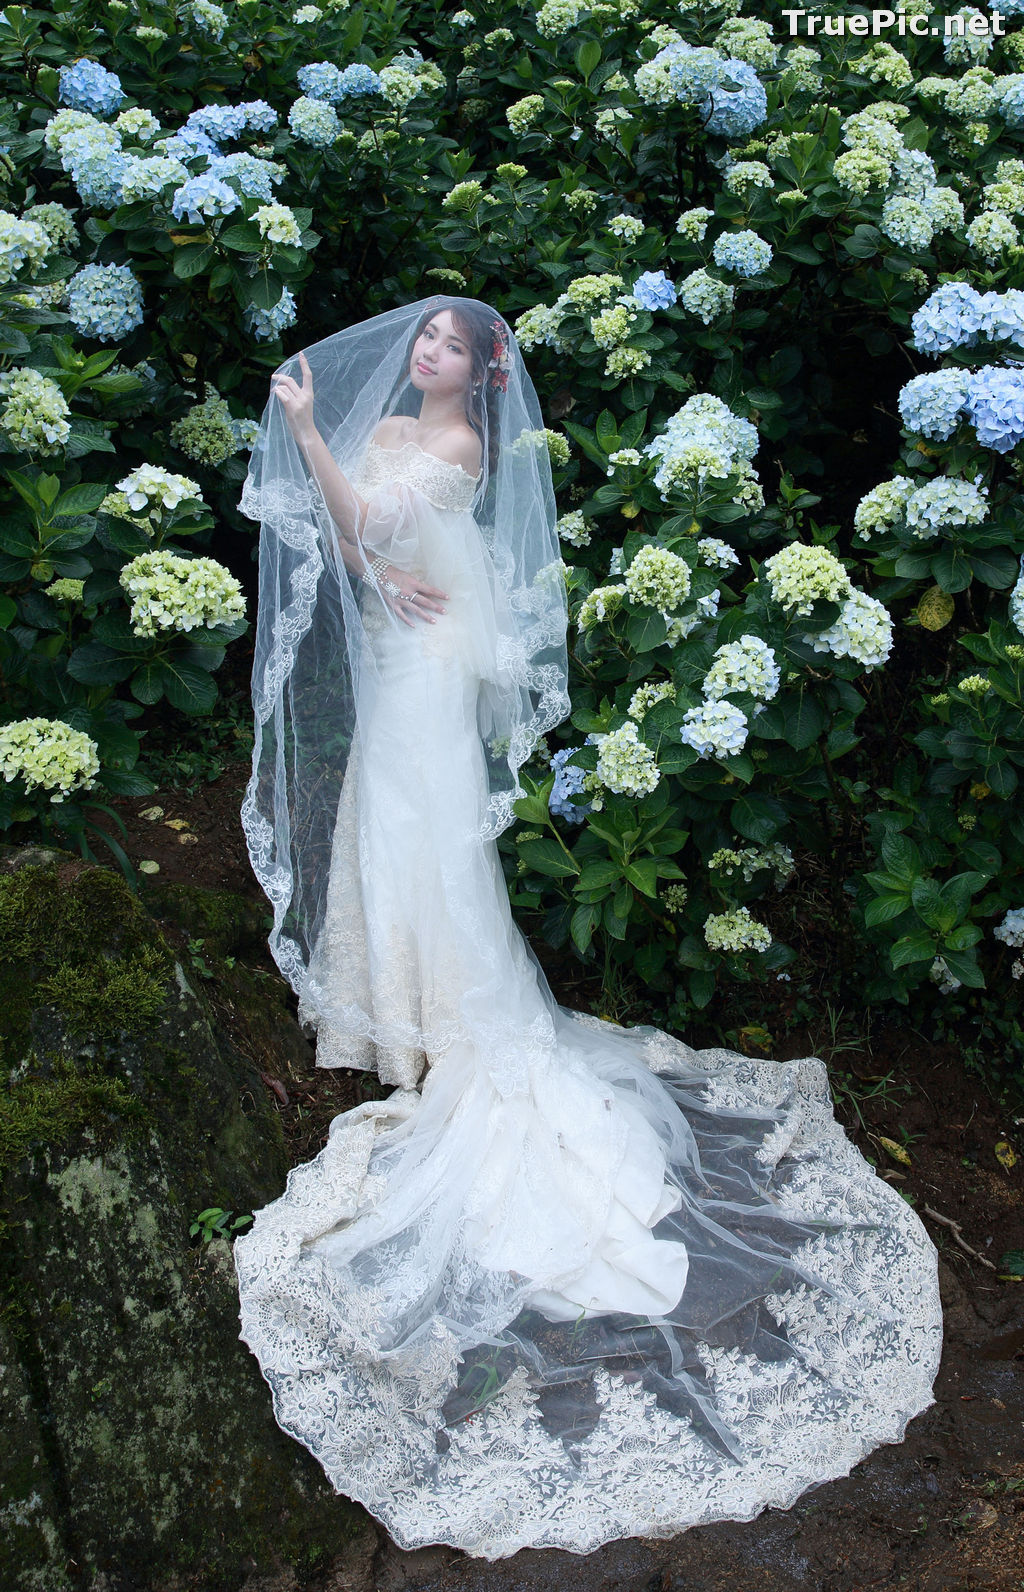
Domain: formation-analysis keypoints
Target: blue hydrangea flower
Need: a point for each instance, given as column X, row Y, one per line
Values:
column 743, row 252
column 359, row 79
column 320, row 80
column 951, row 317
column 259, row 116
column 97, row 173
column 187, row 143
column 88, row 86
column 105, row 301
column 995, row 405
column 219, row 122
column 568, row 782
column 932, row 404
column 254, row 177
column 1004, row 316
column 654, row 291
column 266, row 324
column 735, row 112
column 693, row 71
column 314, row 122
column 203, row 198
column 1011, row 99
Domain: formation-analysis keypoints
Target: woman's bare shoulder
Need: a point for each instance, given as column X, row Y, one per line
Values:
column 460, row 445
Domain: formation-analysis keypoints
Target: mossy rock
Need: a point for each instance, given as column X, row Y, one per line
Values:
column 140, row 1445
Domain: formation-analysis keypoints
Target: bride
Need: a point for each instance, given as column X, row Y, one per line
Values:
column 569, row 1281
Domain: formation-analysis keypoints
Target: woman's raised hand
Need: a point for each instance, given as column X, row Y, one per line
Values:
column 297, row 402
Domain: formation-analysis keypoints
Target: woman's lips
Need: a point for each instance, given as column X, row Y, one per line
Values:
column 424, row 368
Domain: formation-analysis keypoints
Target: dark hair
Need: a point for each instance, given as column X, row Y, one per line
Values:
column 475, row 324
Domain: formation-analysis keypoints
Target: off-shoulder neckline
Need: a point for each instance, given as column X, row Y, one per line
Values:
column 411, row 443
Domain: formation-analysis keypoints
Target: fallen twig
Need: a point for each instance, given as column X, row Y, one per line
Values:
column 958, row 1237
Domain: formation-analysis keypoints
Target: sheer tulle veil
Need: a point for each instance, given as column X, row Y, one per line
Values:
column 312, row 662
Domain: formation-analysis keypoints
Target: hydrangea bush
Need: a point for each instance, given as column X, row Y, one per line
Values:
column 755, row 275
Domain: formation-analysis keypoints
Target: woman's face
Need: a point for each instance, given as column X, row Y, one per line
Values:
column 441, row 362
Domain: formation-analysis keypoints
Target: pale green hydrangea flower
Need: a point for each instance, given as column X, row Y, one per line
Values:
column 800, row 575
column 36, row 416
column 736, row 931
column 625, row 764
column 600, row 605
column 48, row 755
column 645, row 696
column 172, row 593
column 524, row 112
column 205, row 433
column 674, row 897
column 658, row 578
column 277, row 224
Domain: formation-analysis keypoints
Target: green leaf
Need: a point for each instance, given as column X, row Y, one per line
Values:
column 884, row 909
column 587, row 57
column 584, row 921
column 191, row 259
column 607, row 431
column 643, row 873
column 147, row 684
column 646, row 631
column 702, row 987
column 547, row 856
column 599, row 871
column 126, row 782
column 964, row 967
column 916, row 947
column 901, row 857
column 188, row 687
column 757, row 817
column 83, row 499
column 244, row 237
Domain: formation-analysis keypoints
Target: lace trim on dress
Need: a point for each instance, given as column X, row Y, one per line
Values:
column 446, row 485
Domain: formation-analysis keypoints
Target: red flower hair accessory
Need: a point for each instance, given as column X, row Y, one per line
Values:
column 500, row 361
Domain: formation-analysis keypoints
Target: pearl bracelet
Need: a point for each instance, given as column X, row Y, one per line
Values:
column 376, row 570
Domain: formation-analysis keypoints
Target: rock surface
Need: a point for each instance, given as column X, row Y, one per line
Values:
column 139, row 1446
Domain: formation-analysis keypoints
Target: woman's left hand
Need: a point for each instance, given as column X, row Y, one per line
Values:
column 415, row 597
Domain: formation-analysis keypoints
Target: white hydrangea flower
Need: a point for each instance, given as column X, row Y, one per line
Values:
column 1011, row 930
column 172, row 593
column 882, row 507
column 747, row 666
column 48, row 755
column 799, row 576
column 574, row 529
column 944, row 503
column 277, row 223
column 736, row 931
column 625, row 764
column 716, row 553
column 150, row 486
column 863, row 631
column 715, row 729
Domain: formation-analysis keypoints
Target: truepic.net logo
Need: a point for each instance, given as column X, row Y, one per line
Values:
column 870, row 24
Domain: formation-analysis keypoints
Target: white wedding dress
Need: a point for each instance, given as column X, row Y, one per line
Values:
column 570, row 1281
